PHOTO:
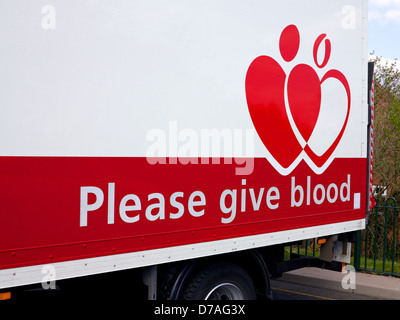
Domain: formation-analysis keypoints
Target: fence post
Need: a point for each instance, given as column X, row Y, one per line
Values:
column 357, row 251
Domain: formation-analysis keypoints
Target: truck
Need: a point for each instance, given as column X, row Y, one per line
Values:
column 190, row 141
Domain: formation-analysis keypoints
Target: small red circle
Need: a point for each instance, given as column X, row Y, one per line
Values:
column 289, row 42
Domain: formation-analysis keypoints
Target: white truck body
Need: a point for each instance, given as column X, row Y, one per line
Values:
column 132, row 133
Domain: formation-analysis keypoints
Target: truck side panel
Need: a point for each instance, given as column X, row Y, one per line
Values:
column 141, row 206
column 143, row 132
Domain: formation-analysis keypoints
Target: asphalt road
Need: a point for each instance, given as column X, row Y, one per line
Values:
column 289, row 291
column 122, row 290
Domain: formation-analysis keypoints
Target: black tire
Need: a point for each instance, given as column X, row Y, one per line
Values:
column 219, row 281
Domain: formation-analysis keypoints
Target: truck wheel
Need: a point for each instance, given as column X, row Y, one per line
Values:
column 220, row 281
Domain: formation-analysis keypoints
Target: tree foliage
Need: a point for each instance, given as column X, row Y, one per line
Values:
column 387, row 126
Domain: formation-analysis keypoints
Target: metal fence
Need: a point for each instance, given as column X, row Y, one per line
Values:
column 378, row 246
column 307, row 247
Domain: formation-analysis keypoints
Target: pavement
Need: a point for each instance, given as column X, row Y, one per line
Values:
column 374, row 286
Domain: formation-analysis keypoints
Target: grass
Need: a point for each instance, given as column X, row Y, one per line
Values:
column 365, row 264
column 377, row 266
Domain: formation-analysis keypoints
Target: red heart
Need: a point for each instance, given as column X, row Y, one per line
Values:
column 265, row 93
column 304, row 96
column 319, row 161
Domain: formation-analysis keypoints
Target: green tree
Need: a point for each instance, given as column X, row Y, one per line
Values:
column 387, row 127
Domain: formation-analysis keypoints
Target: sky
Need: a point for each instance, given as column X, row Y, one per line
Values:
column 384, row 28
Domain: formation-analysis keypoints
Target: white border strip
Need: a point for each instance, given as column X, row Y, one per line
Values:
column 82, row 267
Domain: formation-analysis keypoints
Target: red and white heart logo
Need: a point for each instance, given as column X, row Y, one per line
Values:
column 285, row 108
